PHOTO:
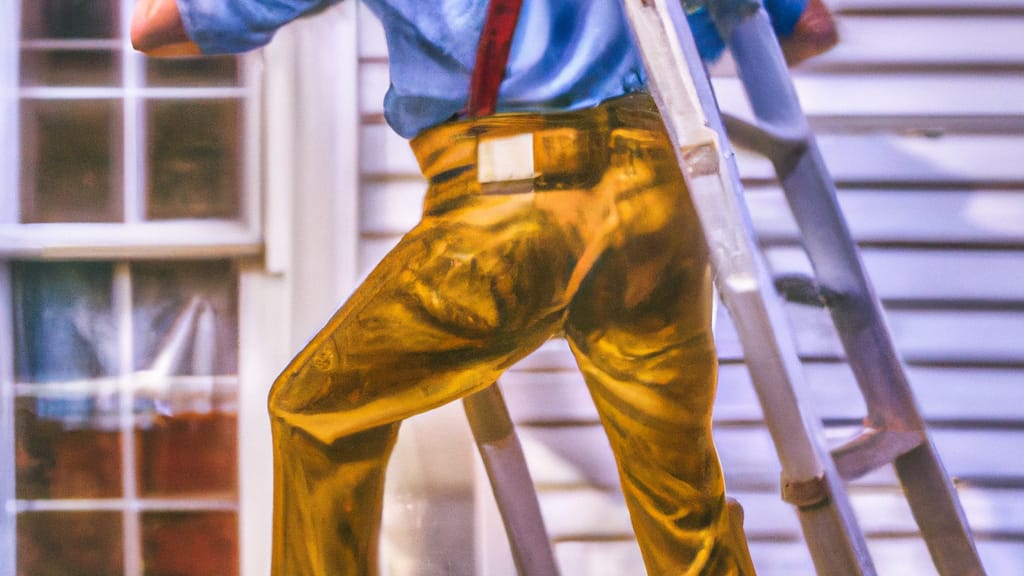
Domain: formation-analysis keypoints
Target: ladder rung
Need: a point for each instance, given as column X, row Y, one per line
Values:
column 800, row 289
column 780, row 144
column 873, row 448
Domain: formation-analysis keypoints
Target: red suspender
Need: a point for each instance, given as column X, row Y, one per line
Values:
column 492, row 56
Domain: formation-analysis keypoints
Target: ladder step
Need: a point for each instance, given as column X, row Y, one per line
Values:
column 873, row 448
column 799, row 289
column 780, row 144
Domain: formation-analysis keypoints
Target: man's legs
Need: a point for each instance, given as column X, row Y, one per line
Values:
column 485, row 278
column 463, row 296
column 640, row 327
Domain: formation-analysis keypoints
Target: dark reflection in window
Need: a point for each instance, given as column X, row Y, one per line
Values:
column 193, row 159
column 64, row 324
column 69, row 68
column 69, row 19
column 68, row 170
column 67, row 448
column 65, row 543
column 192, row 454
column 204, row 71
column 190, row 543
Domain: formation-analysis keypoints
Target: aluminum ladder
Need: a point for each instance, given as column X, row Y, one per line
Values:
column 813, row 477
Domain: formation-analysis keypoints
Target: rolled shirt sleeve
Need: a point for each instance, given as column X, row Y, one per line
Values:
column 231, row 26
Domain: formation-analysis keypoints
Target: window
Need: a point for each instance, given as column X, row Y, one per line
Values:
column 128, row 210
column 150, row 153
column 125, row 395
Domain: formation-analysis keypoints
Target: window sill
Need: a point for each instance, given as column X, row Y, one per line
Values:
column 164, row 240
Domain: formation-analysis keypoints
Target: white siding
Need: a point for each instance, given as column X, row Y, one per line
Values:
column 919, row 113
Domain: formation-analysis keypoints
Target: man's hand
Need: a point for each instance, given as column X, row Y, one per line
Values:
column 157, row 29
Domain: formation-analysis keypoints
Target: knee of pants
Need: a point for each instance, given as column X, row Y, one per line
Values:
column 294, row 391
column 289, row 416
column 275, row 405
column 310, row 378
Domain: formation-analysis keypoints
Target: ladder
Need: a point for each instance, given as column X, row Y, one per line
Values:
column 894, row 431
column 813, row 476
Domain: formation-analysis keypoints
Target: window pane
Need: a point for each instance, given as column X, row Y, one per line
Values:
column 79, row 543
column 192, row 454
column 185, row 317
column 185, row 320
column 67, row 447
column 193, row 159
column 67, row 440
column 190, row 544
column 70, row 169
column 64, row 321
column 204, row 71
column 69, row 68
column 67, row 19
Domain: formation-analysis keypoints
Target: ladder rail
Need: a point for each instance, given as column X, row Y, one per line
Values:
column 893, row 413
column 511, row 483
column 810, row 191
column 680, row 86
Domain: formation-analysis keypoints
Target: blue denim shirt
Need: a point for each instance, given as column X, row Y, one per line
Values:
column 566, row 54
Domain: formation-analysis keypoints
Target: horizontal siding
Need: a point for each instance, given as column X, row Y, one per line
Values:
column 964, row 217
column 884, row 514
column 888, row 41
column 919, row 114
column 949, row 396
column 577, row 455
column 926, row 7
column 940, row 336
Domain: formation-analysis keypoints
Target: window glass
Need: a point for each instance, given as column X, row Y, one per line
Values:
column 154, row 435
column 70, row 161
column 193, row 72
column 66, row 422
column 69, row 67
column 69, row 43
column 190, row 454
column 193, row 159
column 64, row 322
column 67, row 447
column 83, row 543
column 185, row 324
column 185, row 318
column 69, row 19
column 190, row 543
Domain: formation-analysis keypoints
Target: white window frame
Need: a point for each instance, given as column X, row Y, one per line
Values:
column 9, row 18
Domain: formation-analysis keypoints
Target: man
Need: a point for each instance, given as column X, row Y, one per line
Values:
column 563, row 214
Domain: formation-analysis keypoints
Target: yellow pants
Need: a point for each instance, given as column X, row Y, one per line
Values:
column 600, row 246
